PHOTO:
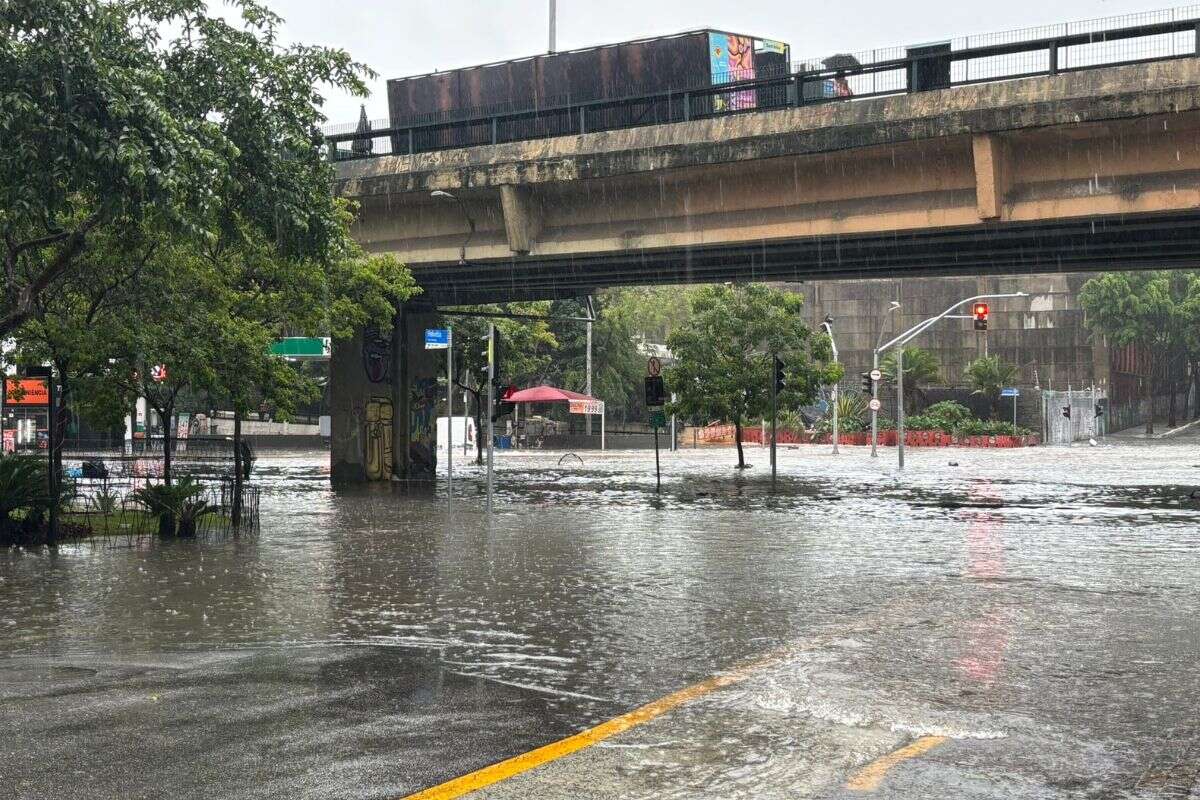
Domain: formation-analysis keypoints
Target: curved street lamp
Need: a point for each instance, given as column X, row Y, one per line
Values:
column 462, row 251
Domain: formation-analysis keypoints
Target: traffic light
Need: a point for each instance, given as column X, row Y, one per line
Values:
column 780, row 375
column 980, row 312
column 1067, row 411
column 868, row 385
column 656, row 392
column 1101, row 407
column 494, row 354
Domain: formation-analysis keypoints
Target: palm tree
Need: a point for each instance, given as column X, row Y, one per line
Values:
column 988, row 376
column 921, row 368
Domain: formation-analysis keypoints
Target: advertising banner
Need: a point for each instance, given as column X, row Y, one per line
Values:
column 26, row 392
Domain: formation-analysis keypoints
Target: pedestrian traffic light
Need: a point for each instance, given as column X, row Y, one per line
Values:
column 980, row 312
column 1101, row 407
column 868, row 385
column 1067, row 411
column 780, row 375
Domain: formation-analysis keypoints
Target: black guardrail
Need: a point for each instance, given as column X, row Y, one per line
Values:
column 1051, row 50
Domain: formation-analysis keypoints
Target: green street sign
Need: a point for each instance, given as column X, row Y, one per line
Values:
column 301, row 347
column 658, row 418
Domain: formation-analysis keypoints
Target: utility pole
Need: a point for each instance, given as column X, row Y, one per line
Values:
column 553, row 26
column 491, row 410
column 900, row 403
column 588, row 390
column 774, row 414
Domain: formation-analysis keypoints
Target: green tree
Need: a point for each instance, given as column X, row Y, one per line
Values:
column 1148, row 310
column 988, row 376
column 723, row 355
column 526, row 351
column 921, row 369
column 617, row 366
column 123, row 113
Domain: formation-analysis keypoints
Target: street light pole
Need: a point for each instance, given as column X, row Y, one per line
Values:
column 828, row 325
column 900, row 404
column 895, row 306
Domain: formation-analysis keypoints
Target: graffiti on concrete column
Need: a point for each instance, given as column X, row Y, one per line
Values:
column 422, row 441
column 377, row 356
column 378, row 438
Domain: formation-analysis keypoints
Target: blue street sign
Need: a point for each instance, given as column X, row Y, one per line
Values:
column 1010, row 392
column 437, row 338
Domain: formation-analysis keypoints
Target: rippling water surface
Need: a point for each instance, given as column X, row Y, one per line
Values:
column 978, row 581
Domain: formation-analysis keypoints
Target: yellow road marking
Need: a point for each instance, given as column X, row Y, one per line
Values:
column 495, row 773
column 869, row 777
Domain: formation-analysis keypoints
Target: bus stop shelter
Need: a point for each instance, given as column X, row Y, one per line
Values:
column 577, row 403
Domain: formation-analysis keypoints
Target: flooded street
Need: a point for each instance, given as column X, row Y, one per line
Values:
column 1026, row 618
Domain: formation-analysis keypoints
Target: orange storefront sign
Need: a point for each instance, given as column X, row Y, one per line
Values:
column 26, row 392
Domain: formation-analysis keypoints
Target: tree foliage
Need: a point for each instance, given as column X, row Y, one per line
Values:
column 1153, row 311
column 724, row 355
column 206, row 133
column 921, row 369
column 988, row 376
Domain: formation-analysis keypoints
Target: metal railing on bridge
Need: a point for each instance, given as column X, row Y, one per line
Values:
column 1029, row 52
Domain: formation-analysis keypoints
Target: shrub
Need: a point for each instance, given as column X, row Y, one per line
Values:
column 947, row 417
column 22, row 488
column 978, row 427
column 178, row 507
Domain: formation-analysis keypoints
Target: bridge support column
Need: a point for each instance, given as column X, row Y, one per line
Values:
column 522, row 218
column 992, row 174
column 383, row 399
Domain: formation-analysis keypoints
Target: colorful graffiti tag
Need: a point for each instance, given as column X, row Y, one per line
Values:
column 377, row 356
column 422, row 438
column 379, row 439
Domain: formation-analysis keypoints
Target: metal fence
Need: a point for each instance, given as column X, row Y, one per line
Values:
column 1046, row 50
column 1083, row 423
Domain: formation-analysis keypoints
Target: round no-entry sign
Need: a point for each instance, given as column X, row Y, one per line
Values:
column 876, row 405
column 876, row 375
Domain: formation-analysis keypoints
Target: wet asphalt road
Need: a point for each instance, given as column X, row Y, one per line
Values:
column 1037, row 610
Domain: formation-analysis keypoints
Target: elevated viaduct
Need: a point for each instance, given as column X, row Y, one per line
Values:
column 1096, row 169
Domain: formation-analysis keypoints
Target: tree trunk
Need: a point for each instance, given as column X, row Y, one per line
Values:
column 1172, row 420
column 1148, row 396
column 236, row 511
column 737, row 437
column 478, row 428
column 1196, row 390
column 166, row 414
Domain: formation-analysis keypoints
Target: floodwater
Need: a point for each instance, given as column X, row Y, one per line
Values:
column 1037, row 608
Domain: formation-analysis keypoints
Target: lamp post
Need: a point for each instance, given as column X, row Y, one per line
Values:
column 828, row 326
column 462, row 251
column 894, row 307
column 907, row 337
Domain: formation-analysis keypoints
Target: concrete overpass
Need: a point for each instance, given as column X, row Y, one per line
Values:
column 1091, row 170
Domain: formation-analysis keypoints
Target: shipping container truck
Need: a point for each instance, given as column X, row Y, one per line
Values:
column 573, row 91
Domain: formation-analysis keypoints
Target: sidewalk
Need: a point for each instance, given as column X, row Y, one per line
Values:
column 1160, row 431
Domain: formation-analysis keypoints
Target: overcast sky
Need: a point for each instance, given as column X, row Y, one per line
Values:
column 407, row 37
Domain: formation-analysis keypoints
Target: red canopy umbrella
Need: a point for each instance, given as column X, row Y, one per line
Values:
column 552, row 394
column 545, row 394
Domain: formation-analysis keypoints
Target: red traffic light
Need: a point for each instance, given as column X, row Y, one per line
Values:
column 981, row 311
